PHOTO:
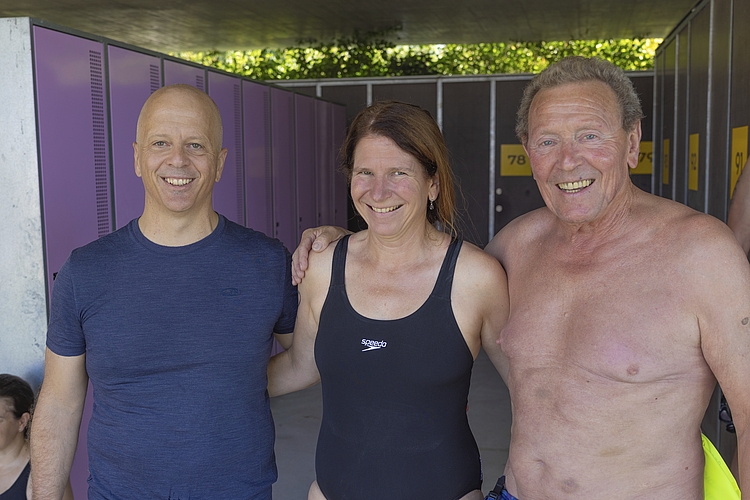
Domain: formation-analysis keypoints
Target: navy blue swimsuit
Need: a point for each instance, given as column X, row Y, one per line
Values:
column 18, row 490
column 394, row 398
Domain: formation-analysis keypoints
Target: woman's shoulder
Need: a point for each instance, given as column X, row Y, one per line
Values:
column 476, row 259
column 478, row 271
column 320, row 264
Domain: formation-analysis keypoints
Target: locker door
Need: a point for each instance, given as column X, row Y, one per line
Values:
column 718, row 156
column 681, row 147
column 668, row 135
column 282, row 159
column 133, row 77
column 175, row 72
column 466, row 127
column 658, row 131
column 72, row 142
column 340, row 183
column 516, row 191
column 71, row 114
column 324, row 162
column 256, row 115
column 229, row 192
column 697, row 95
column 307, row 212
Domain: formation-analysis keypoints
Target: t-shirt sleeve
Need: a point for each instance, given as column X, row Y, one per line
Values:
column 65, row 332
column 285, row 324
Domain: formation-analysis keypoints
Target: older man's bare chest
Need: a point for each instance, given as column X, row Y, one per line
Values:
column 624, row 314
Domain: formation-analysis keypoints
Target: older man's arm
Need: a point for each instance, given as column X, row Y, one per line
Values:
column 56, row 422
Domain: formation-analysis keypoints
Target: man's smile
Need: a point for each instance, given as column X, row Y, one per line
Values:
column 575, row 186
column 177, row 181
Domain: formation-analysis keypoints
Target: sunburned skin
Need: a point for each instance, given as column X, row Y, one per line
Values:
column 625, row 309
column 607, row 375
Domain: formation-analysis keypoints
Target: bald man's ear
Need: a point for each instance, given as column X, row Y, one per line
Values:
column 136, row 164
column 220, row 163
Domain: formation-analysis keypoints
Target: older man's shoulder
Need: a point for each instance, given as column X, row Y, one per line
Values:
column 684, row 226
column 521, row 231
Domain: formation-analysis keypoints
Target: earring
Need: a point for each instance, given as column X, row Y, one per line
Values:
column 432, row 205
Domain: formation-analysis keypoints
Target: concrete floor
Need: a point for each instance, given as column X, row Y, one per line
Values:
column 297, row 418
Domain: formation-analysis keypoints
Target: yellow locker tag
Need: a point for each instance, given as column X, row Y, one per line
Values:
column 513, row 161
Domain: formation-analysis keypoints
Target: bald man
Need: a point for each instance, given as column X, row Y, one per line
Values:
column 171, row 318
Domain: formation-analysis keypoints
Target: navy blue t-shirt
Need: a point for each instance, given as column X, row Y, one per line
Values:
column 177, row 342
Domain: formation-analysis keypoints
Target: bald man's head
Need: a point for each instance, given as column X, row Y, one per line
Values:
column 178, row 153
column 182, row 95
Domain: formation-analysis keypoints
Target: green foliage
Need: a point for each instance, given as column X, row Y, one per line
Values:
column 371, row 55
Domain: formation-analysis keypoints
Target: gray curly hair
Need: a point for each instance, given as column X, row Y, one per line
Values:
column 581, row 69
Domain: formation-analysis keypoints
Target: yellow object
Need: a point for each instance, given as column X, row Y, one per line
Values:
column 718, row 481
column 513, row 161
column 645, row 159
column 739, row 155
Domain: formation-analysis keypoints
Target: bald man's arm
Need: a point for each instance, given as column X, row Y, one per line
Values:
column 57, row 418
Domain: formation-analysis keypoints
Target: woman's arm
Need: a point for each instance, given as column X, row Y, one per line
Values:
column 295, row 368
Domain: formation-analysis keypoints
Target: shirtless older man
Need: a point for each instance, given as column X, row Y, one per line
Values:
column 625, row 308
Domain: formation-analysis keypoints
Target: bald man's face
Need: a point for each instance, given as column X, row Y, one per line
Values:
column 178, row 154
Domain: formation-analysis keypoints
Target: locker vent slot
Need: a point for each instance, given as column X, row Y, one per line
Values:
column 199, row 83
column 100, row 142
column 155, row 77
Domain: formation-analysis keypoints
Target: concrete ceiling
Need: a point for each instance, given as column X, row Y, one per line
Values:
column 177, row 25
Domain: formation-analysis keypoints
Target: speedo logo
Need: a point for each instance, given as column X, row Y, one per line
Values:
column 373, row 344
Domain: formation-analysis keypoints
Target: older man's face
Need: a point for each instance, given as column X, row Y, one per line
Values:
column 578, row 150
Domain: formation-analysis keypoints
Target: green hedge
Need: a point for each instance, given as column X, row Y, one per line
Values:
column 371, row 55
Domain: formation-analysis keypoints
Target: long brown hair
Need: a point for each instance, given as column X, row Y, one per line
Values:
column 414, row 131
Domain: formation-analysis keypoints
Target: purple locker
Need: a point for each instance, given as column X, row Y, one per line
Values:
column 72, row 121
column 133, row 77
column 256, row 102
column 324, row 164
column 175, row 72
column 72, row 118
column 340, row 183
column 282, row 159
column 307, row 212
column 229, row 192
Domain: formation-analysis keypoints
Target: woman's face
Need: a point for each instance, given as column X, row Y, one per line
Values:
column 389, row 187
column 11, row 428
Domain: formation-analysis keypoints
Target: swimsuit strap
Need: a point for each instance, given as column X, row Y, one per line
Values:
column 445, row 278
column 339, row 261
